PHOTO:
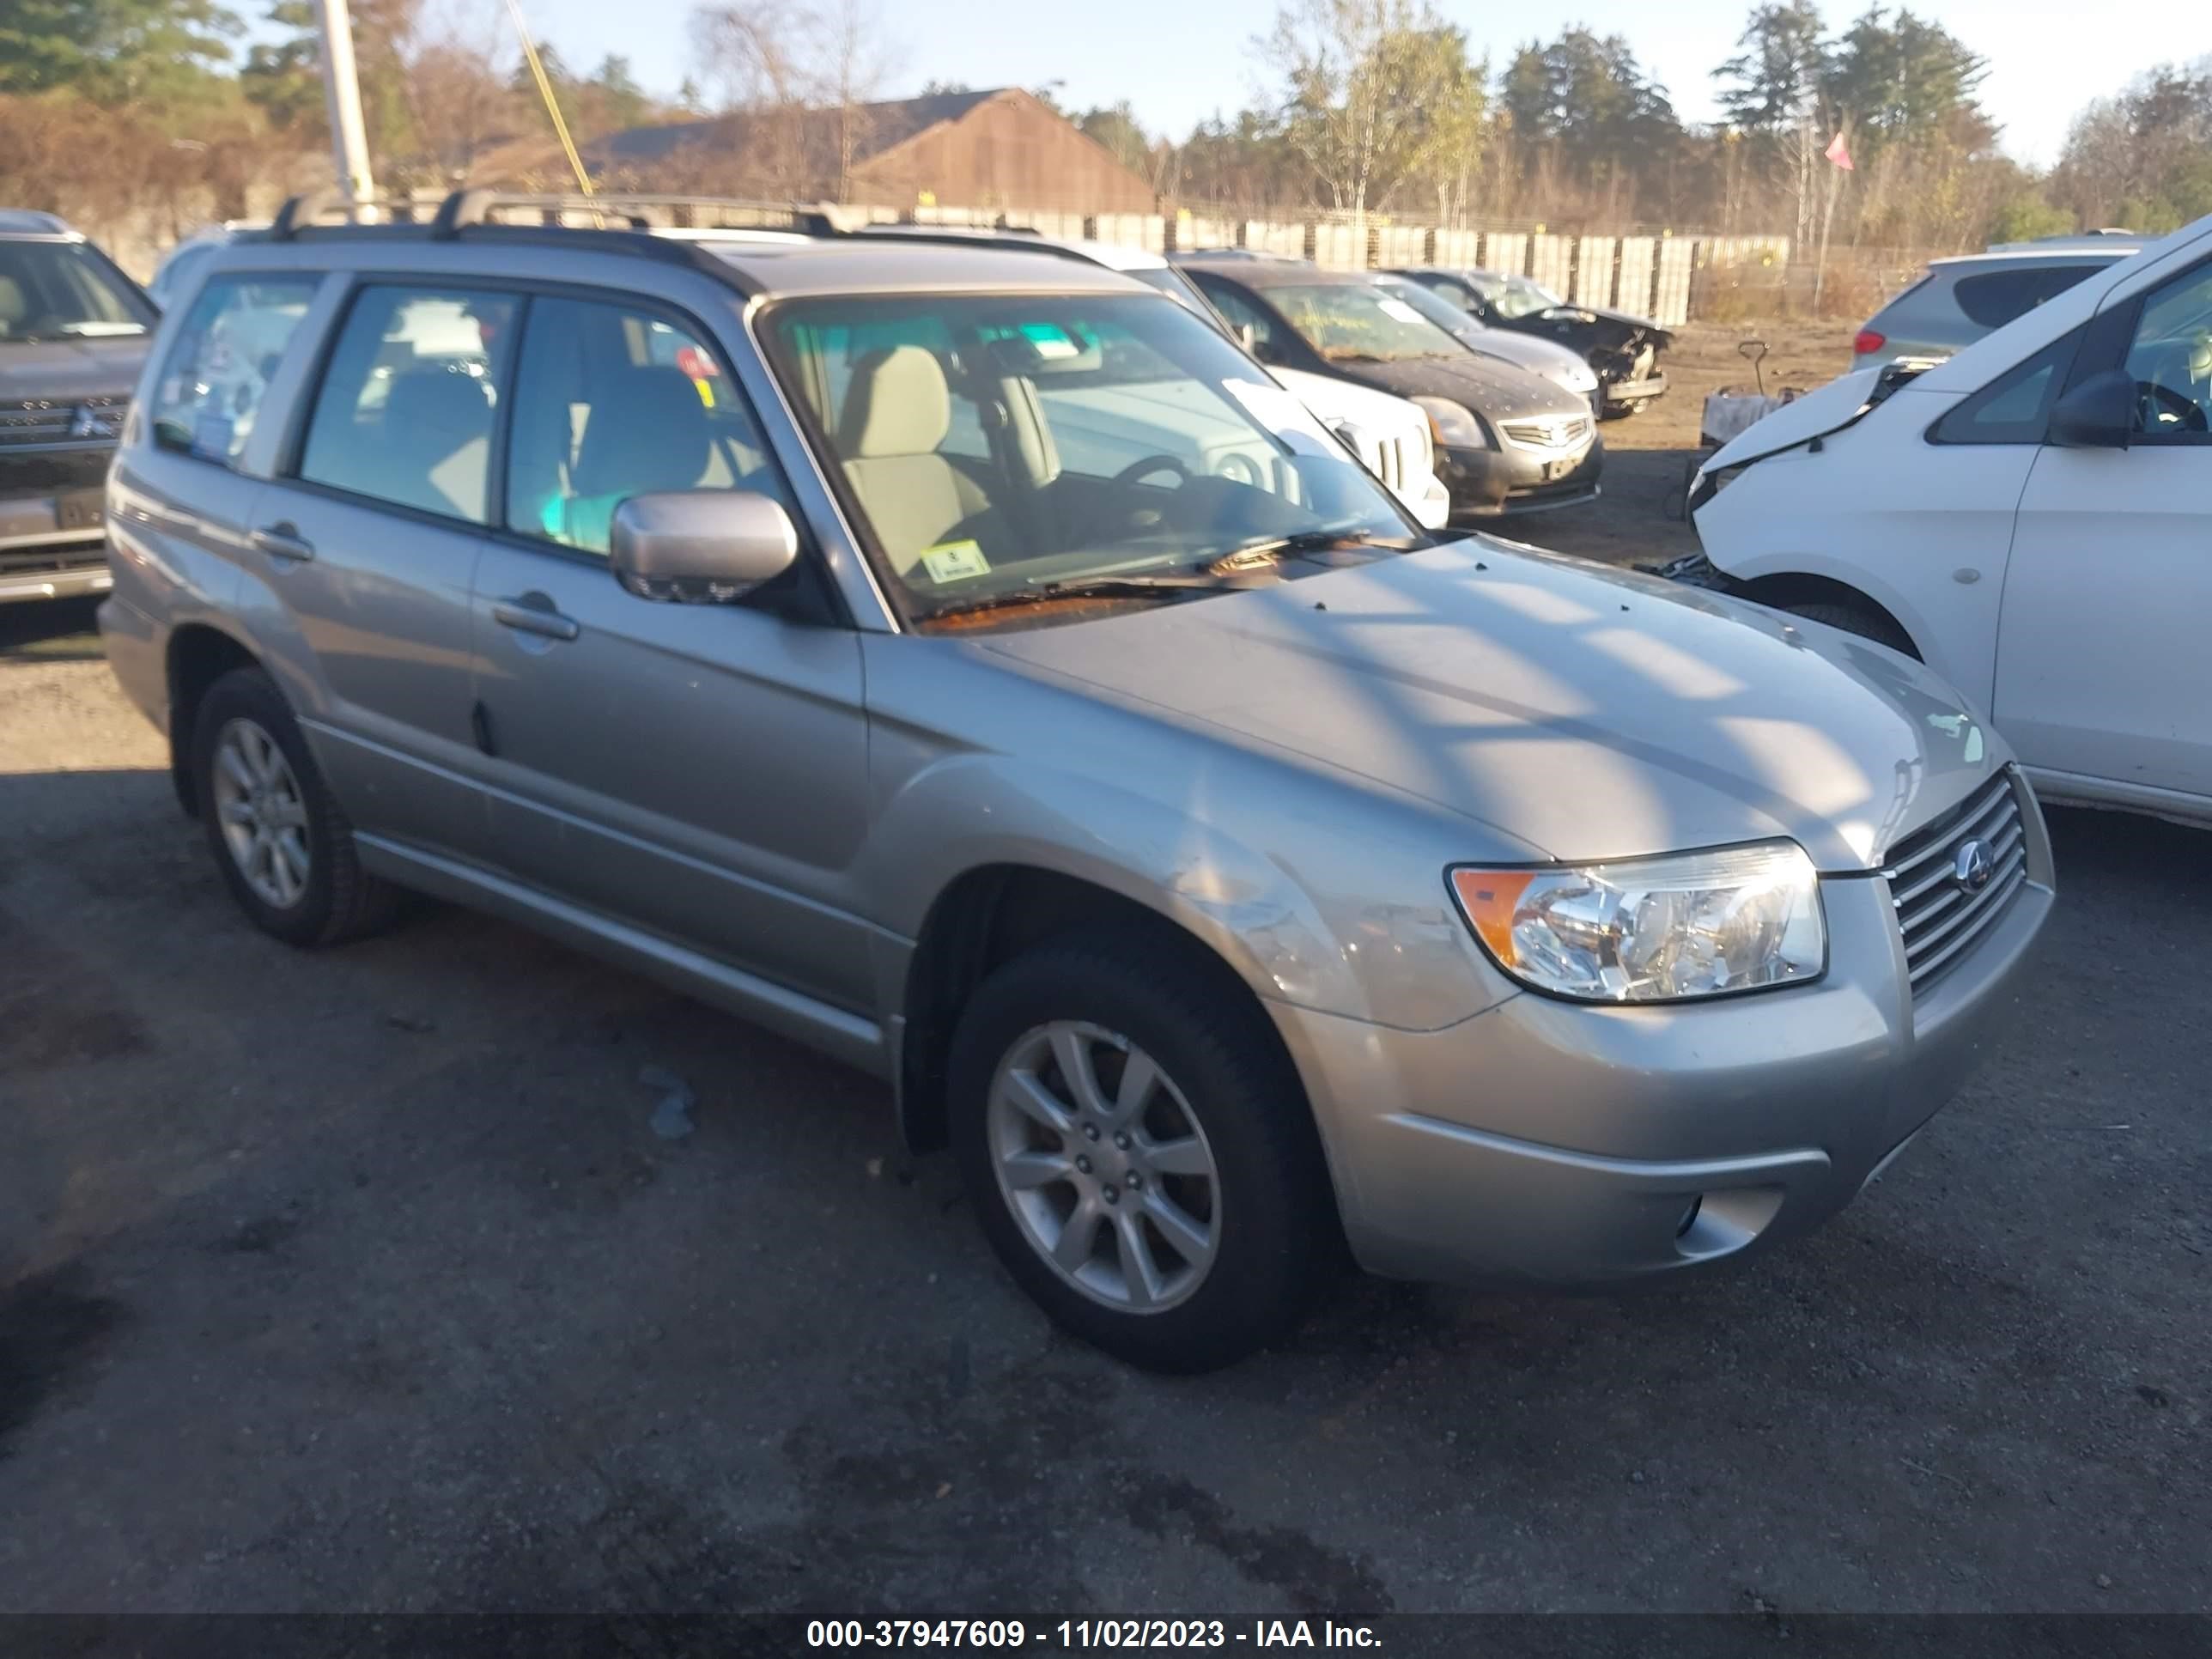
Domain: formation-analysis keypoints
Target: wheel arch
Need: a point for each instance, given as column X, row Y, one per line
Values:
column 1783, row 589
column 198, row 654
column 992, row 913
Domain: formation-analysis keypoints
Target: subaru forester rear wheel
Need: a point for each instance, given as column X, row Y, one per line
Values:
column 282, row 843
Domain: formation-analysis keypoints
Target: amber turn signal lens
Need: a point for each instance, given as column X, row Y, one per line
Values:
column 1489, row 898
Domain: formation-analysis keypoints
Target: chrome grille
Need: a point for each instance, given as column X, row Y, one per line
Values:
column 1552, row 432
column 1940, row 915
column 42, row 422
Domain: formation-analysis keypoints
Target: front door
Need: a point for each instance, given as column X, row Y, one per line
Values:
column 369, row 544
column 697, row 770
column 2103, row 670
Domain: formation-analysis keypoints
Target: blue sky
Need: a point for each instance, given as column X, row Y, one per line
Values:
column 1177, row 61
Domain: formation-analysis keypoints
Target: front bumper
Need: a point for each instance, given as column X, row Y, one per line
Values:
column 53, row 544
column 1621, row 395
column 1554, row 1142
column 1491, row 483
column 55, row 568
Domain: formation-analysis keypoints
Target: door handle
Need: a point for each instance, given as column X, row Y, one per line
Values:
column 533, row 613
column 283, row 541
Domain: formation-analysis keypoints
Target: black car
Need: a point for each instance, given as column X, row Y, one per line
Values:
column 73, row 332
column 1623, row 348
column 1507, row 440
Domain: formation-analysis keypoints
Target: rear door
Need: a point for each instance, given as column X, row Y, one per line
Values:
column 2103, row 670
column 698, row 770
column 365, row 544
column 182, row 493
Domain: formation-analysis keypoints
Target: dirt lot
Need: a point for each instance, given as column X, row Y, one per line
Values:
column 360, row 1280
column 1638, row 521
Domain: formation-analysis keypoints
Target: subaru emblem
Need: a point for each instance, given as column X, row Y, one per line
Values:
column 1973, row 867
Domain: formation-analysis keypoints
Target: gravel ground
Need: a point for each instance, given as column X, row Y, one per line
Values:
column 360, row 1281
column 1648, row 456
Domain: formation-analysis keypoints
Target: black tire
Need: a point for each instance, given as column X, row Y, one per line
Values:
column 338, row 900
column 1863, row 620
column 1278, row 1230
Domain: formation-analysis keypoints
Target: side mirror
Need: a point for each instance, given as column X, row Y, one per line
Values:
column 2097, row 414
column 700, row 545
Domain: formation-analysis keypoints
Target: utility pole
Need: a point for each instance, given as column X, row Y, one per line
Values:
column 341, row 88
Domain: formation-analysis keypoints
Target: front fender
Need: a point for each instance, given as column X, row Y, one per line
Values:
column 1331, row 919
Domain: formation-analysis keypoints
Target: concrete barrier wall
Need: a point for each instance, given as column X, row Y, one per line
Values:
column 1648, row 275
column 1593, row 280
column 1672, row 282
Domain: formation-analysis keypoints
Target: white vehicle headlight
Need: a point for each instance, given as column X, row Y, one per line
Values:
column 1653, row 930
column 1454, row 424
column 1578, row 377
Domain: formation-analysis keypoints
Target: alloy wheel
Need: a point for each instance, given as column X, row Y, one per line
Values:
column 1105, row 1166
column 262, row 812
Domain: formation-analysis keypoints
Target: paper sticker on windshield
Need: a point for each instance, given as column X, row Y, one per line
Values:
column 1400, row 310
column 952, row 561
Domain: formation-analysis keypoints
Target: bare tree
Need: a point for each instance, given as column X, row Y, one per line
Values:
column 796, row 82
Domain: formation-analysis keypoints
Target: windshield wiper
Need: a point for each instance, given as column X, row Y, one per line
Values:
column 1266, row 554
column 1100, row 587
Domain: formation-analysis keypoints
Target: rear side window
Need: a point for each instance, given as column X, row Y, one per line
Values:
column 2015, row 407
column 220, row 361
column 1996, row 297
column 408, row 403
column 611, row 402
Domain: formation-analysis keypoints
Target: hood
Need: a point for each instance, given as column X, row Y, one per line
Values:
column 1817, row 411
column 1625, row 321
column 1341, row 400
column 1589, row 712
column 56, row 371
column 1497, row 390
column 1544, row 357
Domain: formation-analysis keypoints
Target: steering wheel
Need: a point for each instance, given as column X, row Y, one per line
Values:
column 2151, row 397
column 1150, row 464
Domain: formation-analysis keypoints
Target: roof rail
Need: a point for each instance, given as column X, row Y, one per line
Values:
column 641, row 210
column 35, row 222
column 304, row 211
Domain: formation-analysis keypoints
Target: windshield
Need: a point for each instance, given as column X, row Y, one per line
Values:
column 63, row 290
column 993, row 445
column 1514, row 296
column 1358, row 322
column 1433, row 305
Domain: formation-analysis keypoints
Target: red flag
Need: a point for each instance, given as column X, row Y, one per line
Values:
column 1839, row 154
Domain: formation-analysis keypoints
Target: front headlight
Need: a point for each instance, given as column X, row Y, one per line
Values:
column 1709, row 483
column 1653, row 930
column 1454, row 424
column 1578, row 377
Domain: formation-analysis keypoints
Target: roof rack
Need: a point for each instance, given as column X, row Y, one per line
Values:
column 639, row 210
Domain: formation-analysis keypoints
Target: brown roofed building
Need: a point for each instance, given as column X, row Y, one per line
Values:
column 1003, row 148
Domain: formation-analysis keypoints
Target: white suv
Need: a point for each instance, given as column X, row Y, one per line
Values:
column 2032, row 518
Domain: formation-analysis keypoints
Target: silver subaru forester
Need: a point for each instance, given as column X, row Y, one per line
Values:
column 964, row 660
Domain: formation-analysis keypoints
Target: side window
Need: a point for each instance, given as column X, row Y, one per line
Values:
column 2015, row 407
column 1995, row 298
column 408, row 402
column 220, row 361
column 2170, row 360
column 613, row 402
column 1242, row 314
